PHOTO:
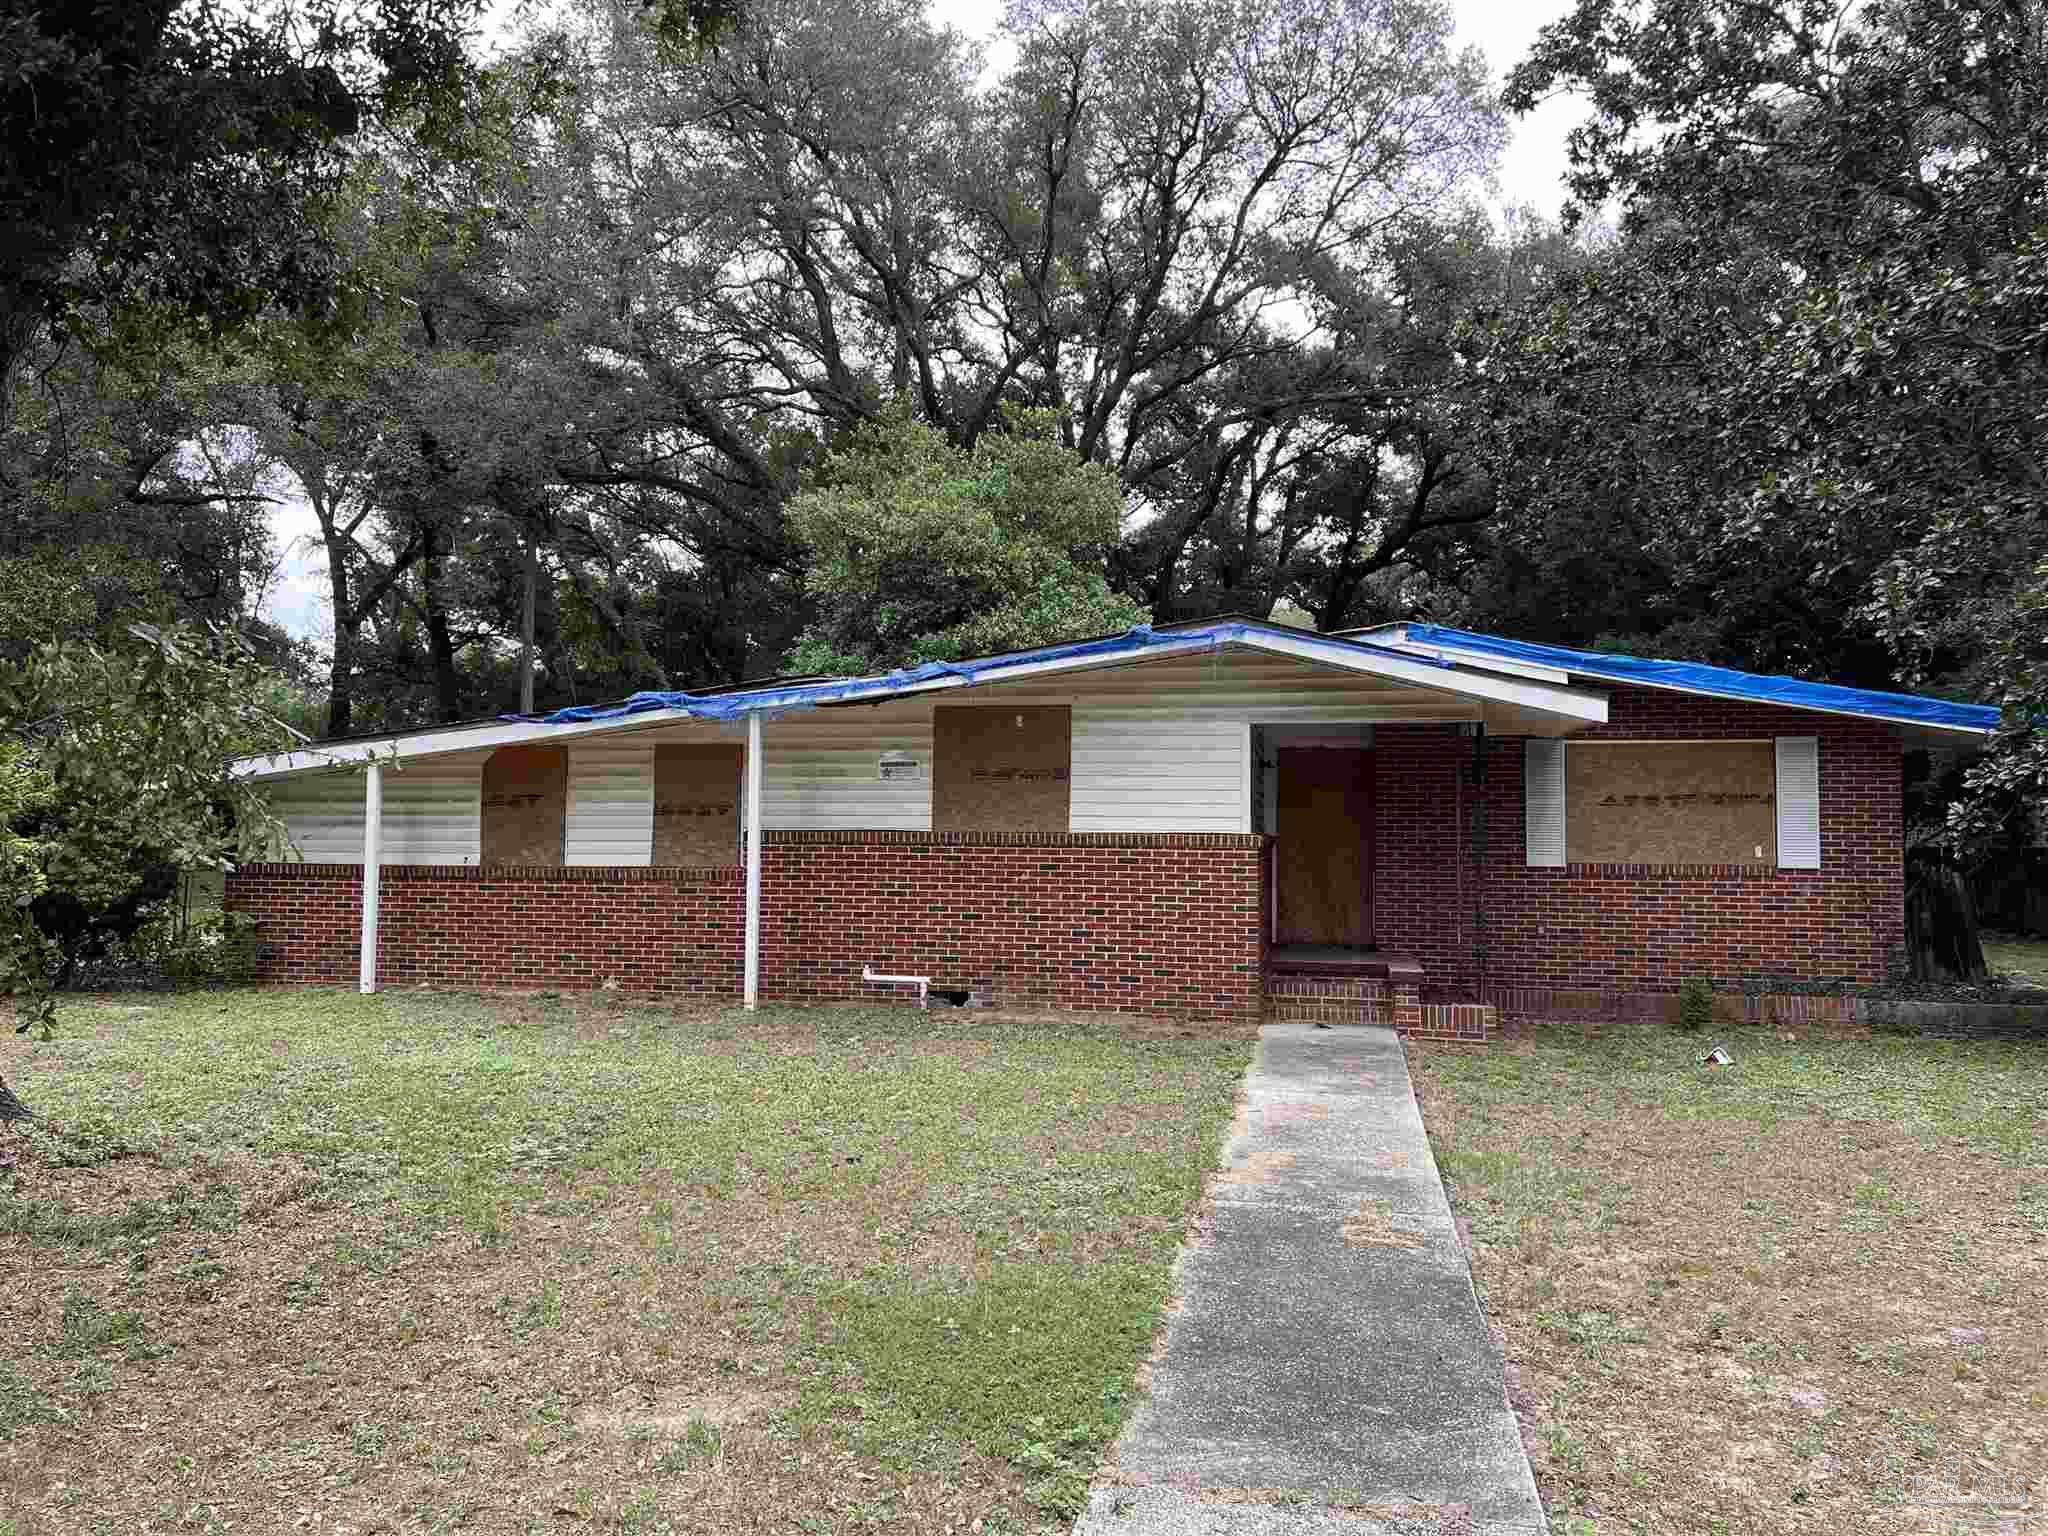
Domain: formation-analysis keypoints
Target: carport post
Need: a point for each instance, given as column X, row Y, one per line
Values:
column 373, row 853
column 752, row 995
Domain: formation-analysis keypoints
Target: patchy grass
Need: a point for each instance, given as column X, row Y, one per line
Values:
column 2022, row 961
column 1801, row 1294
column 419, row 1262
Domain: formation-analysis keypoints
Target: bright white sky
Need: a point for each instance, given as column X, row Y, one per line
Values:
column 1531, row 175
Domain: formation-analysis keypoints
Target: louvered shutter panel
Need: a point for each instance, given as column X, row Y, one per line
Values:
column 1543, row 802
column 1799, row 802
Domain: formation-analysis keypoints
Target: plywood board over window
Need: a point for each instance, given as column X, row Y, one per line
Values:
column 1002, row 769
column 525, row 798
column 697, row 803
column 1691, row 802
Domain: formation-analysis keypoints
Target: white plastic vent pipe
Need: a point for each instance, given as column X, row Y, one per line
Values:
column 922, row 983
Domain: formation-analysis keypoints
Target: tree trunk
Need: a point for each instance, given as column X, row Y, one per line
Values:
column 440, row 645
column 1942, row 939
column 526, row 623
column 337, row 541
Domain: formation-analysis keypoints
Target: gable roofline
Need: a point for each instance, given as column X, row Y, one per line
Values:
column 1141, row 644
column 1917, row 711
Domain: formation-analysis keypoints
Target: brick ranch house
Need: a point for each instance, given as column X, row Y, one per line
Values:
column 1226, row 820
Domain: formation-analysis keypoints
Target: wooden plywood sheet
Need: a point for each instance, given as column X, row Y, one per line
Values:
column 525, row 800
column 1323, row 859
column 697, row 803
column 1712, row 802
column 1002, row 768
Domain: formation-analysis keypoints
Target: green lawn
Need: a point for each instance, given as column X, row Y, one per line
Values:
column 1802, row 1294
column 538, row 1265
column 2022, row 960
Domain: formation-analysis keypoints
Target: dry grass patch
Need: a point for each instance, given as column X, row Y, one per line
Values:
column 1802, row 1294
column 306, row 1261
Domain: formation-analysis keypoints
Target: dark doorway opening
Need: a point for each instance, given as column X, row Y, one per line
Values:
column 1323, row 854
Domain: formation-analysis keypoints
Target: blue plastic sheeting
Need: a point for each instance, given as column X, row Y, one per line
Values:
column 733, row 706
column 1721, row 682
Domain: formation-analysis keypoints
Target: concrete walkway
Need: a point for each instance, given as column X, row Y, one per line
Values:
column 1327, row 1368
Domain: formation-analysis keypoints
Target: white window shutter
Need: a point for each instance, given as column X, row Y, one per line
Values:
column 1799, row 802
column 1543, row 802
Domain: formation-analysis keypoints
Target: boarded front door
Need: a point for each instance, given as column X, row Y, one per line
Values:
column 1323, row 874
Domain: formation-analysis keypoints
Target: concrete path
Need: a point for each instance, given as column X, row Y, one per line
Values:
column 1326, row 1368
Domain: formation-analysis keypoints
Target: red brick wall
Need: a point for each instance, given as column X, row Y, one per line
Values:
column 1144, row 923
column 1632, row 927
column 1155, row 923
column 651, row 930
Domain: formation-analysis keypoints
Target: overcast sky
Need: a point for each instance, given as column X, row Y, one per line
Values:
column 1531, row 175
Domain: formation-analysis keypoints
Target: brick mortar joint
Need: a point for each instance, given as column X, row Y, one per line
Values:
column 1233, row 841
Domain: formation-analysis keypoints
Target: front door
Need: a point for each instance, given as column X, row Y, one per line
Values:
column 1323, row 852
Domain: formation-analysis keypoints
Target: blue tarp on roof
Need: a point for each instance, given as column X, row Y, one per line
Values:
column 734, row 705
column 1722, row 682
column 1692, row 677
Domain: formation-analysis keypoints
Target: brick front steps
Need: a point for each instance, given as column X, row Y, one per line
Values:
column 1337, row 1000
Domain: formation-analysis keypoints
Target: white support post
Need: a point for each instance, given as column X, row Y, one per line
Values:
column 373, row 854
column 752, row 812
column 1247, row 765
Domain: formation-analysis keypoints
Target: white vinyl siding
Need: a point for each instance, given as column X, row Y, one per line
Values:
column 1798, row 802
column 609, row 819
column 820, row 771
column 1164, row 747
column 432, row 814
column 1133, row 774
column 323, row 816
column 1543, row 803
column 1158, row 747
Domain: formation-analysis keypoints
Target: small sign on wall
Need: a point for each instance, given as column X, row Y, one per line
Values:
column 898, row 765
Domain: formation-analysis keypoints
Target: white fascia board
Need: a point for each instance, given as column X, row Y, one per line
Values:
column 1396, row 636
column 441, row 743
column 1525, row 693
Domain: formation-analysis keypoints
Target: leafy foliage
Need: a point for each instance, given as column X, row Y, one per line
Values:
column 167, row 163
column 1695, row 1003
column 925, row 552
column 1820, row 342
column 117, row 782
column 27, row 955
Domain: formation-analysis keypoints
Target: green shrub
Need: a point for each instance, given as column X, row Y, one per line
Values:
column 210, row 947
column 1695, row 1003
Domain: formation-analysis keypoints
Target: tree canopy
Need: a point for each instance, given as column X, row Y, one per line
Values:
column 670, row 346
column 1811, row 368
column 926, row 552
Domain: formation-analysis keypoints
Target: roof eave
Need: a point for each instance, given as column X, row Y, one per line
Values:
column 1576, row 706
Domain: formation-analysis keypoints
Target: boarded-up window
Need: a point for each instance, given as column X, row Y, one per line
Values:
column 525, row 794
column 697, row 803
column 1693, row 802
column 1002, row 769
